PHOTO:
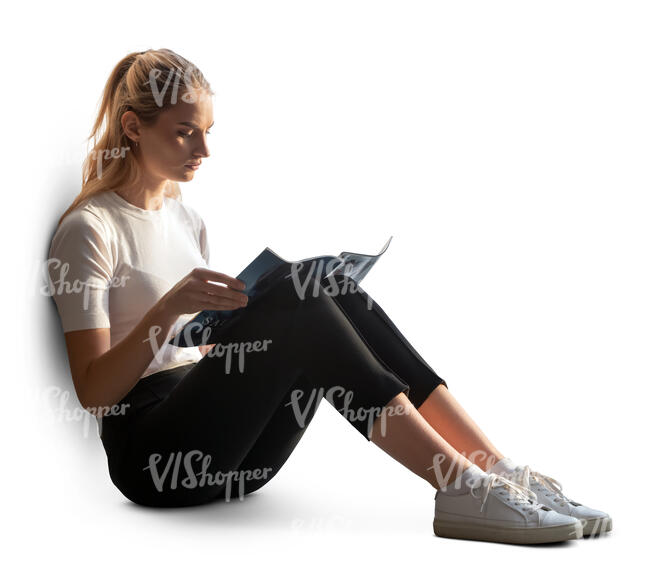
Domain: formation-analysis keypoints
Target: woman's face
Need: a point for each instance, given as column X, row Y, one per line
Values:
column 175, row 145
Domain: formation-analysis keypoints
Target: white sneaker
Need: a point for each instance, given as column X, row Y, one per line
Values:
column 548, row 491
column 494, row 509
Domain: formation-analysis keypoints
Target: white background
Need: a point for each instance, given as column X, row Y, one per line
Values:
column 505, row 147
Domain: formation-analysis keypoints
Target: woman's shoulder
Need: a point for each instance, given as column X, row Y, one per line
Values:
column 89, row 216
column 85, row 231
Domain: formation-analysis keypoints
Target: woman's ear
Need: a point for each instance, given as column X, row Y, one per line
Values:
column 131, row 125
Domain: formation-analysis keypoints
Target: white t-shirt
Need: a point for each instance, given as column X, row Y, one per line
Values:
column 111, row 261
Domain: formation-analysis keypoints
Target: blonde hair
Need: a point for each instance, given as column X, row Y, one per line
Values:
column 130, row 87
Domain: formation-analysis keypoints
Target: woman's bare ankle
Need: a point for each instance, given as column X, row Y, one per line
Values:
column 406, row 436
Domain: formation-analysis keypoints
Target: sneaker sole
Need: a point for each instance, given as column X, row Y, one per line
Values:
column 487, row 533
column 596, row 526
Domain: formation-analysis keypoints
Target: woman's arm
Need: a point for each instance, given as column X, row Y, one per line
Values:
column 102, row 375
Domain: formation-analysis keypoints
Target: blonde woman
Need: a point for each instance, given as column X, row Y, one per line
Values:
column 198, row 424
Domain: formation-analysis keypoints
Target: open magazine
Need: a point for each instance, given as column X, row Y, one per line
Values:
column 262, row 274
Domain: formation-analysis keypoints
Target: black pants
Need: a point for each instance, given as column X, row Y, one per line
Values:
column 226, row 424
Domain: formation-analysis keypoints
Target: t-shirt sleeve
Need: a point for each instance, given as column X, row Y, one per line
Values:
column 203, row 242
column 80, row 269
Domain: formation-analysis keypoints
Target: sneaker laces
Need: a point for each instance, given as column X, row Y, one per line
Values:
column 515, row 491
column 524, row 475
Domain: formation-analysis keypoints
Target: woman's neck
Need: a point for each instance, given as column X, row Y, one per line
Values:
column 146, row 197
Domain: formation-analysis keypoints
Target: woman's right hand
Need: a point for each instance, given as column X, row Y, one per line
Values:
column 196, row 291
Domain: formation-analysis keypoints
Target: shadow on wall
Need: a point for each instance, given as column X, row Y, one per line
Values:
column 60, row 408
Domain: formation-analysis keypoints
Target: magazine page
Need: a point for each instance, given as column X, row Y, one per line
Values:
column 262, row 274
column 356, row 266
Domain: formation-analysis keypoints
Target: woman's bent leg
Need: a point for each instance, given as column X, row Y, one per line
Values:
column 384, row 338
column 439, row 407
column 187, row 449
column 411, row 440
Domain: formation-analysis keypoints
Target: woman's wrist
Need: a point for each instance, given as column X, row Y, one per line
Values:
column 156, row 325
column 161, row 312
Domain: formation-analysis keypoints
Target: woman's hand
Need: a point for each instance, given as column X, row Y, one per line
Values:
column 197, row 291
